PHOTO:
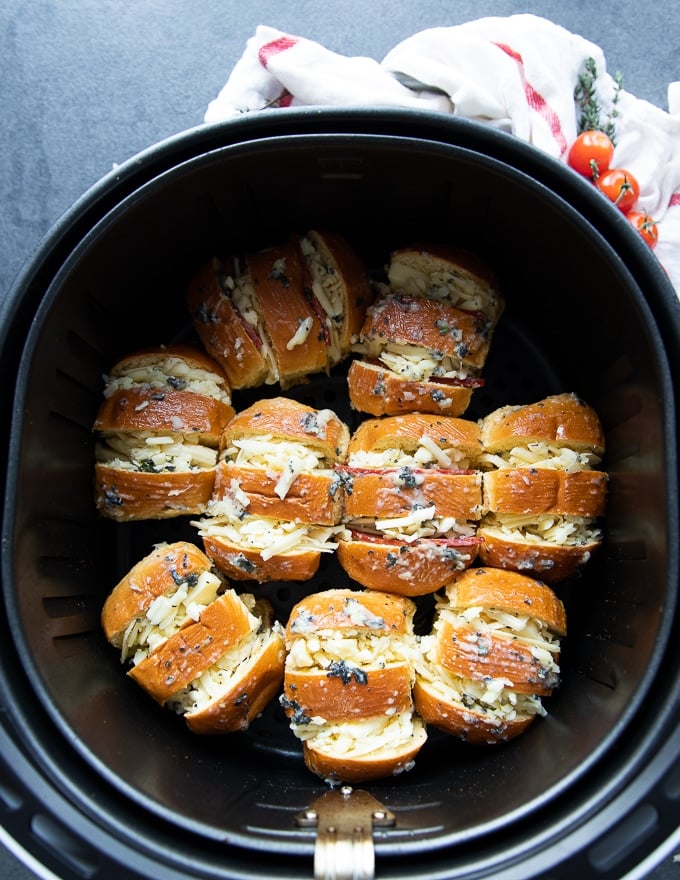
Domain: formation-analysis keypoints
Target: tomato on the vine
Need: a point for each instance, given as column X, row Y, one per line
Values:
column 591, row 154
column 646, row 226
column 620, row 187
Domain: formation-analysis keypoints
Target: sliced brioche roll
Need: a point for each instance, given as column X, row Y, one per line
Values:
column 449, row 274
column 422, row 338
column 426, row 337
column 262, row 548
column 492, row 655
column 543, row 498
column 411, row 502
column 247, row 546
column 160, row 594
column 293, row 330
column 282, row 454
column 220, row 300
column 347, row 684
column 409, row 568
column 231, row 690
column 561, row 424
column 379, row 391
column 172, row 665
column 418, row 440
column 338, row 288
column 277, row 501
column 158, row 428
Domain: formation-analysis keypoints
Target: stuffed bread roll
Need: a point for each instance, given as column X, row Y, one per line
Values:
column 543, row 498
column 412, row 500
column 423, row 339
column 293, row 330
column 282, row 455
column 449, row 274
column 379, row 391
column 158, row 428
column 426, row 338
column 231, row 690
column 277, row 501
column 338, row 288
column 247, row 546
column 492, row 655
column 220, row 299
column 347, row 684
column 161, row 593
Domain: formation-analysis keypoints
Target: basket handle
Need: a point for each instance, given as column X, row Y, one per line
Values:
column 344, row 820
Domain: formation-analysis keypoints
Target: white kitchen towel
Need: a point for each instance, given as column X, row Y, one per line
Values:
column 517, row 73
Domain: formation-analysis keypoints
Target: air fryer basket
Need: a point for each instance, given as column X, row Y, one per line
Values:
column 586, row 312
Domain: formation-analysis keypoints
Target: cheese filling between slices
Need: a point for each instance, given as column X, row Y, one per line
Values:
column 518, row 628
column 351, row 646
column 427, row 454
column 287, row 459
column 269, row 536
column 152, row 453
column 493, row 697
column 167, row 614
column 416, row 525
column 417, row 363
column 215, row 681
column 456, row 287
column 381, row 735
column 242, row 293
column 542, row 455
column 569, row 531
column 328, row 289
column 171, row 372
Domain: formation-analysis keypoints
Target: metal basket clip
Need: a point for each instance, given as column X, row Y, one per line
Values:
column 344, row 820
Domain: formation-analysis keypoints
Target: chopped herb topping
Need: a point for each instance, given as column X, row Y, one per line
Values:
column 346, row 672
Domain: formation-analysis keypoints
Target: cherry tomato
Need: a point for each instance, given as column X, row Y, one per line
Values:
column 620, row 187
column 646, row 226
column 591, row 154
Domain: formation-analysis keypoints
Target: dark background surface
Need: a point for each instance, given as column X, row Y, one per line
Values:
column 85, row 84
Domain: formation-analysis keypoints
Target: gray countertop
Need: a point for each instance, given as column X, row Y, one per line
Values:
column 85, row 84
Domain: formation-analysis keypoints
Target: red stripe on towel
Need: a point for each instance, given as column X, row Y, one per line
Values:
column 537, row 102
column 270, row 49
column 674, row 200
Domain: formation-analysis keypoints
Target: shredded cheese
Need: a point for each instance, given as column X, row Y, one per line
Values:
column 542, row 455
column 167, row 614
column 170, row 372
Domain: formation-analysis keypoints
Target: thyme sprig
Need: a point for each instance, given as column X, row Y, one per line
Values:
column 590, row 118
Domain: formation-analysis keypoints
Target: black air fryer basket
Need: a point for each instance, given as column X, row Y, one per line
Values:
column 97, row 781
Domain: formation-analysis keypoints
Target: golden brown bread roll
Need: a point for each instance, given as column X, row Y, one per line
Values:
column 493, row 653
column 430, row 337
column 426, row 337
column 158, row 428
column 543, row 498
column 283, row 313
column 277, row 500
column 447, row 273
column 219, row 299
column 175, row 663
column 347, row 684
column 411, row 502
column 293, row 329
column 559, row 421
column 378, row 391
column 282, row 455
column 195, row 645
column 157, row 597
column 337, row 285
column 229, row 694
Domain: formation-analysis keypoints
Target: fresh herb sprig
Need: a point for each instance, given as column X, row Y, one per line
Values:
column 590, row 118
